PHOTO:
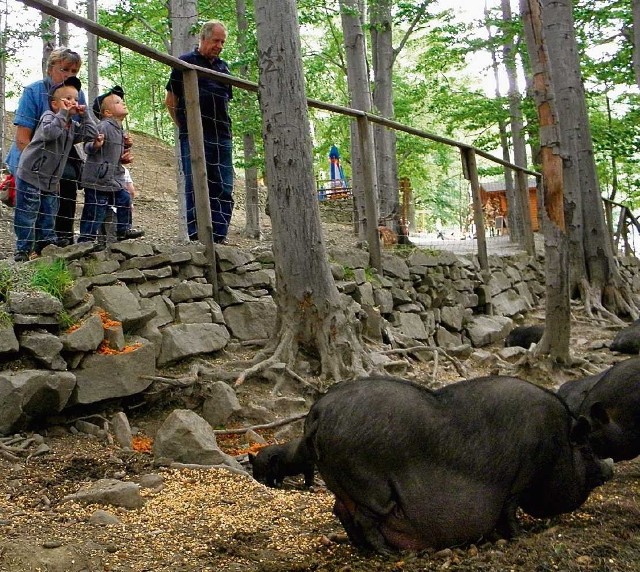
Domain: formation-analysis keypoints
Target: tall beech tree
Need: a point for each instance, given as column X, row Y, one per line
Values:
column 313, row 317
column 555, row 339
column 594, row 274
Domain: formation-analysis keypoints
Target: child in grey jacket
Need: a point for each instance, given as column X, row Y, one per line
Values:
column 102, row 169
column 41, row 166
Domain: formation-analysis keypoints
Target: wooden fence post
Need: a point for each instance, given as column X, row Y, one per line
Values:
column 370, row 192
column 470, row 168
column 199, row 174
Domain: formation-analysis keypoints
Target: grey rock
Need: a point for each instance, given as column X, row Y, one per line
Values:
column 104, row 376
column 185, row 437
column 395, row 266
column 103, row 518
column 151, row 481
column 86, row 337
column 31, row 394
column 410, row 325
column 182, row 340
column 484, row 330
column 122, row 430
column 252, row 320
column 189, row 291
column 34, row 302
column 220, row 404
column 194, row 312
column 111, row 492
column 8, row 340
column 122, row 306
column 44, row 347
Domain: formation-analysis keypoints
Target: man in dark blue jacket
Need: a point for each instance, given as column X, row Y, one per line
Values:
column 216, row 127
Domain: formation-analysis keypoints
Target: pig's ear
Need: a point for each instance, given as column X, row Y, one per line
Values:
column 580, row 431
column 599, row 413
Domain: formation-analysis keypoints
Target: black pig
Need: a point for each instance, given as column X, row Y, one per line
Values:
column 273, row 463
column 612, row 400
column 412, row 468
column 627, row 340
column 524, row 336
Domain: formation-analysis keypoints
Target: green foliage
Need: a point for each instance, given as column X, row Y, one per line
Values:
column 6, row 280
column 349, row 274
column 65, row 320
column 5, row 317
column 371, row 275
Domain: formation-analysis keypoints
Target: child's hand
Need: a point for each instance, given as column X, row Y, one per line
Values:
column 80, row 109
column 126, row 157
column 68, row 105
column 98, row 141
column 128, row 141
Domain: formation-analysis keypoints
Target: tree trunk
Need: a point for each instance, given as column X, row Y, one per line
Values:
column 593, row 271
column 183, row 17
column 636, row 39
column 555, row 340
column 504, row 143
column 385, row 139
column 360, row 94
column 252, row 199
column 48, row 35
column 524, row 231
column 3, row 81
column 63, row 27
column 93, row 88
column 312, row 316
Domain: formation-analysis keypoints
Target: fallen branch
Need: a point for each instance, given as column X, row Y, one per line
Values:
column 259, row 342
column 271, row 425
column 4, row 453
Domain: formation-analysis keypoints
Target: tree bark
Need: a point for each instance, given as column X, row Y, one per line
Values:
column 48, row 35
column 593, row 272
column 636, row 39
column 312, row 316
column 504, row 143
column 385, row 139
column 63, row 27
column 92, row 54
column 3, row 81
column 555, row 340
column 523, row 216
column 252, row 199
column 360, row 94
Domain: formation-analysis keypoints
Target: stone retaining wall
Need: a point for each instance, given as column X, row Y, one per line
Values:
column 139, row 307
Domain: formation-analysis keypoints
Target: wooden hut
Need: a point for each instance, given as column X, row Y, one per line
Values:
column 493, row 195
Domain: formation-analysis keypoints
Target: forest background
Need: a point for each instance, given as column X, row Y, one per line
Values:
column 449, row 78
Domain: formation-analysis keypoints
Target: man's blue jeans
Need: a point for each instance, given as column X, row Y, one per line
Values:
column 219, row 159
column 34, row 217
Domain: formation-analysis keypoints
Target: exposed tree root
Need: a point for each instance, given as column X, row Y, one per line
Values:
column 283, row 347
column 436, row 351
column 335, row 340
column 623, row 303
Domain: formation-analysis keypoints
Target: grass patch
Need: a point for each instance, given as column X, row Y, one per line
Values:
column 52, row 277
